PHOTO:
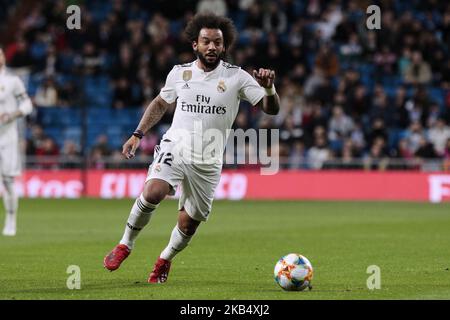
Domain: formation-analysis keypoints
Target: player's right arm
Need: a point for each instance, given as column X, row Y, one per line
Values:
column 154, row 112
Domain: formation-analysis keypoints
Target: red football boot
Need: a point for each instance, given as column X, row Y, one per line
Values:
column 113, row 260
column 160, row 271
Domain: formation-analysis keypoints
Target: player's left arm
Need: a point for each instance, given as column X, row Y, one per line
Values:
column 270, row 103
column 25, row 107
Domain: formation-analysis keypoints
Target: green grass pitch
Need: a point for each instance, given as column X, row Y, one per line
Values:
column 234, row 253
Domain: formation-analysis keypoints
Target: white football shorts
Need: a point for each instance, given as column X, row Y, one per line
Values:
column 10, row 162
column 198, row 181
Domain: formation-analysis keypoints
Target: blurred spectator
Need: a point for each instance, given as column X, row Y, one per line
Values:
column 37, row 137
column 377, row 158
column 254, row 21
column 377, row 131
column 46, row 94
column 71, row 155
column 274, row 19
column 102, row 145
column 18, row 55
column 414, row 136
column 327, row 61
column 340, row 125
column 400, row 116
column 319, row 154
column 357, row 137
column 381, row 108
column 123, row 94
column 438, row 136
column 403, row 151
column 349, row 155
column 352, row 51
column 297, row 158
column 419, row 71
column 385, row 62
column 90, row 61
column 45, row 154
column 358, row 102
column 67, row 95
column 219, row 7
column 425, row 149
column 290, row 132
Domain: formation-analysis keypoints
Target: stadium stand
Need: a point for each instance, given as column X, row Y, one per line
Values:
column 351, row 97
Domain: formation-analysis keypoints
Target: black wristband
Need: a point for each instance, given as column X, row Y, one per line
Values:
column 138, row 133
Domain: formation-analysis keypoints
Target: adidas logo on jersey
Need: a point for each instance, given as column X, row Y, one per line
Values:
column 186, row 86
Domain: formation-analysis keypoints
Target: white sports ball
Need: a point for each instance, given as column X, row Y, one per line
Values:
column 293, row 272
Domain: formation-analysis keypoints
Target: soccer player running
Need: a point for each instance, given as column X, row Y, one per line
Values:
column 14, row 104
column 207, row 93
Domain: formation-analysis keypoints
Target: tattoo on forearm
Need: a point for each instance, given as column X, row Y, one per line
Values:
column 152, row 114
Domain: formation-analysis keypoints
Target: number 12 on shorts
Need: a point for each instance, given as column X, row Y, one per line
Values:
column 168, row 158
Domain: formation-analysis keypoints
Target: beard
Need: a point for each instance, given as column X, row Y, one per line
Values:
column 207, row 63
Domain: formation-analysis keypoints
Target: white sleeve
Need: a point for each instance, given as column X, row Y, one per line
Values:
column 169, row 92
column 250, row 89
column 24, row 102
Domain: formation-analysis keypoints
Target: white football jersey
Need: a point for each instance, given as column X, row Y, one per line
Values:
column 207, row 105
column 12, row 92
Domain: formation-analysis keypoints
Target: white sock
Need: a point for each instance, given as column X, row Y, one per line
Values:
column 10, row 201
column 140, row 215
column 178, row 241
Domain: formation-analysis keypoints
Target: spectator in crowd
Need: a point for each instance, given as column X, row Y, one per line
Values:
column 340, row 125
column 384, row 61
column 71, row 155
column 274, row 19
column 400, row 116
column 403, row 151
column 377, row 158
column 414, row 135
column 327, row 61
column 36, row 139
column 349, row 155
column 419, row 71
column 102, row 145
column 425, row 149
column 219, row 7
column 378, row 130
column 438, row 136
column 352, row 51
column 46, row 94
column 18, row 54
column 123, row 94
column 319, row 154
column 297, row 158
column 46, row 153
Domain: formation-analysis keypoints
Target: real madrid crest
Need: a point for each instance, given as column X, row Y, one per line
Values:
column 187, row 75
column 221, row 87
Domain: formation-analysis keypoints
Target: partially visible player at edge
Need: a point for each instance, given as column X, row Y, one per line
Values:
column 14, row 103
column 207, row 90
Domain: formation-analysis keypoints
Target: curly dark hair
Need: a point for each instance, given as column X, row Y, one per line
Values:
column 211, row 21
